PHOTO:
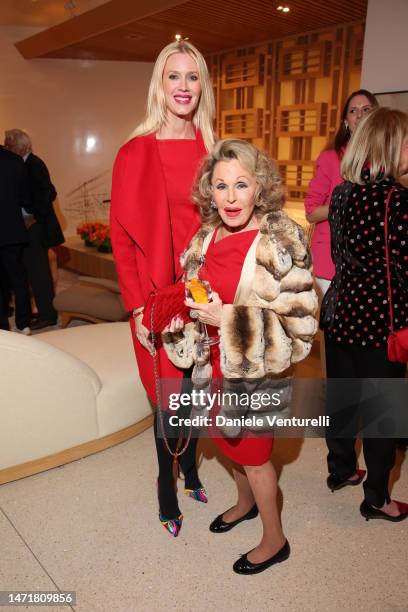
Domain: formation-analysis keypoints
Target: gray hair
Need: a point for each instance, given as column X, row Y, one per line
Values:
column 18, row 141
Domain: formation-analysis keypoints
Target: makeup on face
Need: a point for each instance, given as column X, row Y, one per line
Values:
column 181, row 84
column 234, row 190
column 357, row 108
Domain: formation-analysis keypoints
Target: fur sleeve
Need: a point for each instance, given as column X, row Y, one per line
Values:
column 277, row 325
column 179, row 346
column 253, row 342
column 296, row 306
column 295, row 301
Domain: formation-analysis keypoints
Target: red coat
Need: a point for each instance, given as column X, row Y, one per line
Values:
column 141, row 237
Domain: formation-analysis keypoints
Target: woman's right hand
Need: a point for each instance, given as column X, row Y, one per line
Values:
column 142, row 334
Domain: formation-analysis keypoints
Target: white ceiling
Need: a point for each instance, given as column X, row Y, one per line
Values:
column 42, row 13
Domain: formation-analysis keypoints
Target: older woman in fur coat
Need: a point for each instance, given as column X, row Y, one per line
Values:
column 262, row 313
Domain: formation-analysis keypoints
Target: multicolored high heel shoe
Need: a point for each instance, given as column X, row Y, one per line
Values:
column 199, row 494
column 173, row 526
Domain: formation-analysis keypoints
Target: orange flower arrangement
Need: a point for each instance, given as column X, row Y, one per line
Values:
column 96, row 234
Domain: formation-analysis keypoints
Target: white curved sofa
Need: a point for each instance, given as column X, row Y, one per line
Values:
column 66, row 394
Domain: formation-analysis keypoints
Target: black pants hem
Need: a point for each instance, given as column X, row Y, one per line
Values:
column 358, row 362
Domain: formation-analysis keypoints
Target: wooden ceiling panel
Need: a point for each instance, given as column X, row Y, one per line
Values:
column 42, row 13
column 138, row 34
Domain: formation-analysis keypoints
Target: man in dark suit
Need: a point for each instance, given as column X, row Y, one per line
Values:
column 44, row 229
column 14, row 195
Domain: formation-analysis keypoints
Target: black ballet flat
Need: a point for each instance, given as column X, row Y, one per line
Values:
column 220, row 526
column 243, row 566
column 335, row 483
column 369, row 512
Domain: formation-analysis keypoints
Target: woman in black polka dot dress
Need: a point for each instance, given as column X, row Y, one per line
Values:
column 355, row 311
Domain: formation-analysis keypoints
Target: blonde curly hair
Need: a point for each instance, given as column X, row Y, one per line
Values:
column 269, row 194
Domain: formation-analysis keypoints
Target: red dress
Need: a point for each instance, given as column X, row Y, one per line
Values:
column 222, row 269
column 180, row 159
column 151, row 213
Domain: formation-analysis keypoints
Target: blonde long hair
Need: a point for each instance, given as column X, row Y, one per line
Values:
column 377, row 142
column 155, row 116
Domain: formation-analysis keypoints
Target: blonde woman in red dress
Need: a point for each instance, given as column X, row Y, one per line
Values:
column 153, row 218
column 263, row 303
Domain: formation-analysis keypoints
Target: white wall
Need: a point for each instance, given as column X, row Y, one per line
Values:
column 386, row 46
column 62, row 103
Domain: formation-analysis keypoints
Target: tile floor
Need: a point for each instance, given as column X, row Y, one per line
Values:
column 92, row 527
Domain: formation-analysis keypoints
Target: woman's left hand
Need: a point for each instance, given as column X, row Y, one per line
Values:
column 208, row 313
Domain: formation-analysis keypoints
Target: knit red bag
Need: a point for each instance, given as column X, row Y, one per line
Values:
column 164, row 304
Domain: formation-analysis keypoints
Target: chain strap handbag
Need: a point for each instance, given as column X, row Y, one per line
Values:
column 153, row 326
column 167, row 303
column 161, row 306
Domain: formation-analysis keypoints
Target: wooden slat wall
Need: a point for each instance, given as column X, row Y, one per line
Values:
column 286, row 97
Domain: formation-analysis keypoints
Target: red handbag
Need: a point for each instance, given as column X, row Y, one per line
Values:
column 164, row 304
column 397, row 339
column 398, row 345
column 161, row 306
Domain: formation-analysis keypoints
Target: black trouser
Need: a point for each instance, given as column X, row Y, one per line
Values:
column 39, row 275
column 346, row 410
column 12, row 266
column 166, row 490
column 5, row 290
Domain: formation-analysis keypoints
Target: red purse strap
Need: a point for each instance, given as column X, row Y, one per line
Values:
column 387, row 258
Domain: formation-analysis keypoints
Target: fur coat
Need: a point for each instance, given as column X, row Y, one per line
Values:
column 271, row 324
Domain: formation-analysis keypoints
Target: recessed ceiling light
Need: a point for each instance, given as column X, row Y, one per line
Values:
column 180, row 38
column 284, row 9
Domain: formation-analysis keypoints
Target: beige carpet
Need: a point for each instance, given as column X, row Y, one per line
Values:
column 92, row 527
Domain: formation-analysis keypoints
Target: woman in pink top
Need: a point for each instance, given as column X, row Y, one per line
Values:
column 327, row 177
